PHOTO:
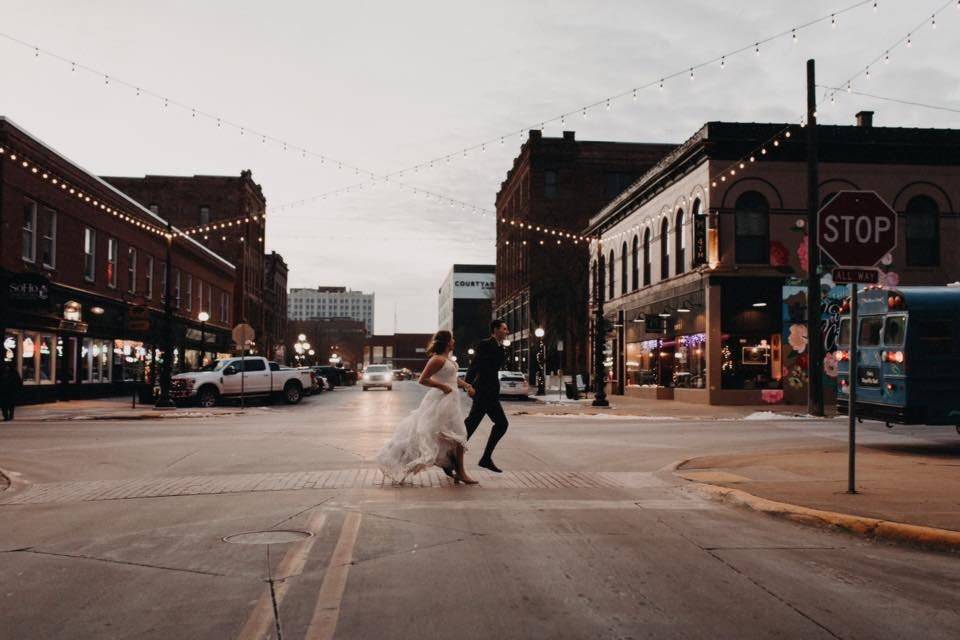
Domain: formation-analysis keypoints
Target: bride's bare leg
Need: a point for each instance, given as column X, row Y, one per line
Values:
column 461, row 473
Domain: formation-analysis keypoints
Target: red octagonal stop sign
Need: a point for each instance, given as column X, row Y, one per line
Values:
column 856, row 228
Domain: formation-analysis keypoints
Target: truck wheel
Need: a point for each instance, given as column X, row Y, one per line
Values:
column 292, row 393
column 208, row 397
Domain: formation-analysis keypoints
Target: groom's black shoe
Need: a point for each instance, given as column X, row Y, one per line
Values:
column 487, row 463
column 448, row 471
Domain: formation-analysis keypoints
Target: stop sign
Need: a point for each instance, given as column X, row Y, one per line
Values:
column 856, row 228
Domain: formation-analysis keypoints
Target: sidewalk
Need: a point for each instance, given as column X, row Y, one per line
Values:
column 116, row 408
column 650, row 408
column 911, row 485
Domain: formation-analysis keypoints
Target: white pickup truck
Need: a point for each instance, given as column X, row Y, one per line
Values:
column 254, row 375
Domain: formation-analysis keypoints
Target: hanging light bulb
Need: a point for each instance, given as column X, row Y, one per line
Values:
column 608, row 104
column 875, row 5
column 584, row 113
column 886, row 58
column 661, row 84
column 691, row 73
column 723, row 62
column 868, row 73
column 756, row 48
column 634, row 94
column 795, row 40
column 933, row 21
column 833, row 21
column 909, row 40
column 849, row 87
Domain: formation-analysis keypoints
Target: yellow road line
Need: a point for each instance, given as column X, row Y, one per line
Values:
column 261, row 621
column 327, row 612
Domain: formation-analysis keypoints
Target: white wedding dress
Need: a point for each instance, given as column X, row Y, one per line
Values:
column 430, row 434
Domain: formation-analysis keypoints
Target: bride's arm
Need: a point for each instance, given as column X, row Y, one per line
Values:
column 426, row 377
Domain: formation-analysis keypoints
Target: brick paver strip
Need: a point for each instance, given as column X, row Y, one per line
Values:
column 360, row 478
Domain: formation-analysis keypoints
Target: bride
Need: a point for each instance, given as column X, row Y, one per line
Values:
column 434, row 433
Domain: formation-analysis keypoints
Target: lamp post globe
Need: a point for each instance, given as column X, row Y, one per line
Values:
column 470, row 351
column 539, row 332
column 302, row 337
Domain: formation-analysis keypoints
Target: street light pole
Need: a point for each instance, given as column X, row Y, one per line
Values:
column 164, row 401
column 600, row 392
column 814, row 341
column 541, row 378
column 203, row 316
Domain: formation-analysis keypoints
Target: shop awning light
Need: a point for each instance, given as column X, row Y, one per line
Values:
column 683, row 310
column 759, row 304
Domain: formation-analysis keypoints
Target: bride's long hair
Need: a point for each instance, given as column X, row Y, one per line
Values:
column 439, row 343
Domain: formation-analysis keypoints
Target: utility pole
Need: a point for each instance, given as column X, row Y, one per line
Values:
column 814, row 341
column 164, row 401
column 599, row 379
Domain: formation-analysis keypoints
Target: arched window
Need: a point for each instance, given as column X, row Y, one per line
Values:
column 636, row 263
column 923, row 232
column 681, row 240
column 752, row 225
column 646, row 257
column 623, row 269
column 664, row 249
column 611, row 285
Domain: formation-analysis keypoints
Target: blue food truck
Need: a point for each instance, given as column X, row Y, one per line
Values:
column 908, row 360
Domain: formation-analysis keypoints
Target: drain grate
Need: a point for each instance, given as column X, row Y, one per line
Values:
column 275, row 536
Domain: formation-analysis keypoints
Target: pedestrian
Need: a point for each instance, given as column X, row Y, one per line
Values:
column 484, row 376
column 433, row 434
column 10, row 383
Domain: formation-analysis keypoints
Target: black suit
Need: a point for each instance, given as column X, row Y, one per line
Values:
column 484, row 376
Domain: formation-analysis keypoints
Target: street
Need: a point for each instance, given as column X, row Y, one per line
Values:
column 115, row 529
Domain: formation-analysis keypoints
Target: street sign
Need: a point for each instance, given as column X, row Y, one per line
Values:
column 849, row 275
column 856, row 228
column 243, row 334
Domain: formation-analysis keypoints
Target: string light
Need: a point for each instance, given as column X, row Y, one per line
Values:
column 833, row 21
column 795, row 40
column 756, row 48
column 723, row 62
column 691, row 73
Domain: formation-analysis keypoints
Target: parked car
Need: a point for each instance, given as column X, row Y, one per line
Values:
column 350, row 377
column 377, row 375
column 513, row 384
column 334, row 374
column 225, row 378
column 324, row 383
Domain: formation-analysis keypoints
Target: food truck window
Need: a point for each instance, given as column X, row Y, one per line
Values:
column 870, row 329
column 934, row 337
column 894, row 331
column 843, row 340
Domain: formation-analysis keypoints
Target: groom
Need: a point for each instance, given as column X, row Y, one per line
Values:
column 484, row 376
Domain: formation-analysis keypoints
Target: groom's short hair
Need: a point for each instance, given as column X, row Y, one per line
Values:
column 496, row 324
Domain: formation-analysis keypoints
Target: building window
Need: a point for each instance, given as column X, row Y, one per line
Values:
column 131, row 269
column 623, row 269
column 149, row 276
column 176, row 288
column 752, row 227
column 89, row 254
column 48, row 238
column 646, row 257
column 616, row 182
column 681, row 239
column 611, row 286
column 204, row 215
column 113, row 248
column 635, row 250
column 163, row 281
column 550, row 187
column 96, row 361
column 923, row 232
column 190, row 292
column 28, row 233
column 223, row 307
column 664, row 249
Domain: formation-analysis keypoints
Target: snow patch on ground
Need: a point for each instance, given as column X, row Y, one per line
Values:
column 772, row 415
column 599, row 416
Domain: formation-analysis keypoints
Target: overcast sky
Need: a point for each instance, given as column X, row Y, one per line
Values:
column 384, row 85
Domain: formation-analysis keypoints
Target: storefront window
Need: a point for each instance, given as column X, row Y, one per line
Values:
column 11, row 348
column 690, row 363
column 745, row 363
column 45, row 353
column 129, row 360
column 641, row 363
column 66, row 354
column 29, row 367
column 96, row 360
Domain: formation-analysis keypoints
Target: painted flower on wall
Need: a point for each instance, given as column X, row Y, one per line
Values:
column 779, row 256
column 798, row 337
column 802, row 253
column 830, row 365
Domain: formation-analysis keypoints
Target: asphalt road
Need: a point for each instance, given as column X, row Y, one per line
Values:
column 116, row 530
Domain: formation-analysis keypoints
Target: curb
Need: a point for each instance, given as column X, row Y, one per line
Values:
column 136, row 416
column 870, row 528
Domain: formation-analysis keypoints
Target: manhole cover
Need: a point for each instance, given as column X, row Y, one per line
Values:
column 276, row 536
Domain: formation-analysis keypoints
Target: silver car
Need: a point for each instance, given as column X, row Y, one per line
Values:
column 378, row 375
column 513, row 383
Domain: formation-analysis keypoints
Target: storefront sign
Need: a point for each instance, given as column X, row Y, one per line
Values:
column 699, row 240
column 473, row 286
column 28, row 290
column 846, row 275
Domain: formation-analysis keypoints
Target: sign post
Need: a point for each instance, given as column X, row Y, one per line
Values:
column 856, row 229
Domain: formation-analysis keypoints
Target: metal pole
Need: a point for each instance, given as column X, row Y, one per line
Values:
column 541, row 377
column 164, row 401
column 852, row 411
column 814, row 340
column 203, row 343
column 599, row 382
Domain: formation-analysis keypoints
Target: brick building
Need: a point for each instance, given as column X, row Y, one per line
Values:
column 399, row 350
column 558, row 183
column 706, row 285
column 191, row 201
column 275, row 274
column 84, row 273
column 343, row 338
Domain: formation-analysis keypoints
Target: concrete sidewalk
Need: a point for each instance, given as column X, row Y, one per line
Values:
column 909, row 484
column 116, row 408
column 650, row 408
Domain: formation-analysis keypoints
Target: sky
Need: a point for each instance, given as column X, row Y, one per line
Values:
column 387, row 85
